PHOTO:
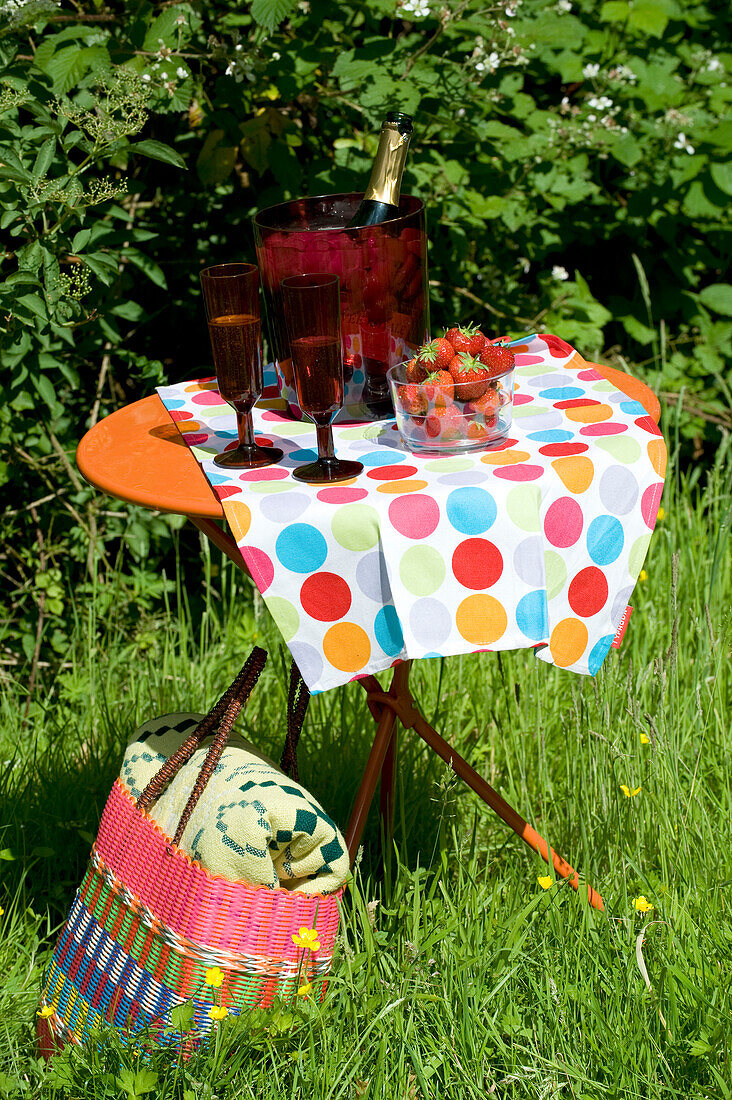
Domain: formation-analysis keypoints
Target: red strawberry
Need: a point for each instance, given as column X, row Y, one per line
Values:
column 413, row 400
column 435, row 356
column 477, row 343
column 466, row 338
column 498, row 358
column 485, row 408
column 470, row 377
column 477, row 431
column 414, row 372
column 446, row 422
column 439, row 387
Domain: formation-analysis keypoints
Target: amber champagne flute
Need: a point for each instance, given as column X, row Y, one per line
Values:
column 231, row 294
column 312, row 309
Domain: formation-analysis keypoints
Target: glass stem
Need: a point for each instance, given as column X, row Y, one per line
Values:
column 326, row 453
column 245, row 429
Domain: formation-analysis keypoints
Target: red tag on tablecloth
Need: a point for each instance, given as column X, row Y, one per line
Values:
column 616, row 642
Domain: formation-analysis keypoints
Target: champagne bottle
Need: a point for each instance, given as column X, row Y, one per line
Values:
column 381, row 198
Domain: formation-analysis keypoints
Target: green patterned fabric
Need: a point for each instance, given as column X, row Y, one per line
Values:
column 251, row 823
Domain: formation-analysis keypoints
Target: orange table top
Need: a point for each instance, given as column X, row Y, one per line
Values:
column 138, row 454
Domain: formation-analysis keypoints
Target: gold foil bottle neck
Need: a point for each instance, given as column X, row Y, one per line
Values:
column 386, row 175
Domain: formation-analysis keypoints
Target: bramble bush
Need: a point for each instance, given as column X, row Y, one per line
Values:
column 575, row 158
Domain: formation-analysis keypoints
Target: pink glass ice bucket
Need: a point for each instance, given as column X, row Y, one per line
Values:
column 383, row 279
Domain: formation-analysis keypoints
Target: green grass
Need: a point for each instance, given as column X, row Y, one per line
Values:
column 466, row 979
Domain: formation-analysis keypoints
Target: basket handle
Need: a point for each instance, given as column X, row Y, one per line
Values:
column 220, row 718
column 297, row 705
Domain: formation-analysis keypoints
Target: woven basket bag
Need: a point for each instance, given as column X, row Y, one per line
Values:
column 148, row 921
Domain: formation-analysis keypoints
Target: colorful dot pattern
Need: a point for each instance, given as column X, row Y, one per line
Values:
column 536, row 542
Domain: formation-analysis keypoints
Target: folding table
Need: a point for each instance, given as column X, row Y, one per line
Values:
column 138, row 455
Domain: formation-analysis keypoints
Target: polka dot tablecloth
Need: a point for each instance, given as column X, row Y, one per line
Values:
column 535, row 543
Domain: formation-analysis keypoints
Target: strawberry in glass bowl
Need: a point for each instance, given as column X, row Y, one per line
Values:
column 455, row 394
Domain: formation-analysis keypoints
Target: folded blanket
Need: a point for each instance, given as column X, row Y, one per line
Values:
column 251, row 823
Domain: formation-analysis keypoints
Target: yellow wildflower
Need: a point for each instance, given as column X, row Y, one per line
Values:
column 642, row 576
column 628, row 792
column 307, row 938
column 215, row 977
column 45, row 1012
column 645, row 739
column 218, row 1012
column 545, row 881
column 661, row 514
column 304, row 989
column 642, row 904
column 1, row 910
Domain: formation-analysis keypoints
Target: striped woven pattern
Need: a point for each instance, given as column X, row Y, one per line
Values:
column 147, row 922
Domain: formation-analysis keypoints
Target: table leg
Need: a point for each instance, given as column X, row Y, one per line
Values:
column 384, row 744
column 399, row 701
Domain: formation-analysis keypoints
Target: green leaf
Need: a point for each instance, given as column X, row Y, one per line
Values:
column 718, row 297
column 81, row 240
column 256, row 140
column 270, row 13
column 44, row 159
column 147, row 267
column 164, row 29
column 627, row 150
column 35, row 304
column 650, row 16
column 216, row 160
column 7, row 854
column 67, row 67
column 156, row 150
column 485, row 206
column 137, row 1082
column 697, row 203
column 614, row 11
column 181, row 1017
column 722, row 175
column 45, row 390
column 103, row 265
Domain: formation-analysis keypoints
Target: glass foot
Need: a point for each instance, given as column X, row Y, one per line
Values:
column 325, row 473
column 248, row 458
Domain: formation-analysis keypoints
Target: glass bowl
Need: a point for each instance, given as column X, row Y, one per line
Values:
column 470, row 419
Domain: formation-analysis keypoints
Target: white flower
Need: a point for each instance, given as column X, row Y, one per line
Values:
column 713, row 65
column 238, row 47
column 461, row 112
column 480, row 66
column 590, row 71
column 164, row 76
column 600, row 103
column 564, row 5
column 510, row 12
column 180, row 20
column 682, row 143
column 560, row 273
column 525, row 264
column 229, row 68
column 146, row 77
column 276, row 55
column 494, row 60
